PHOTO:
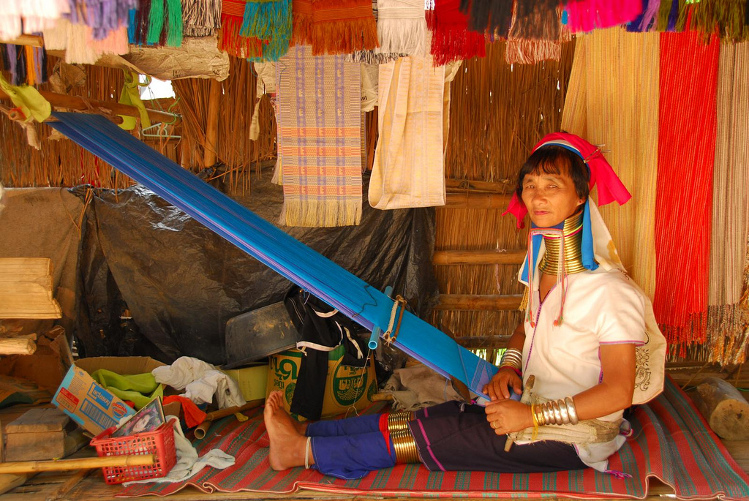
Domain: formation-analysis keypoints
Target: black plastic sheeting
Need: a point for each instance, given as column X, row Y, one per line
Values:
column 181, row 282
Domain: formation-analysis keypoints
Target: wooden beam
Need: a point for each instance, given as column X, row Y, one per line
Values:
column 211, row 127
column 454, row 257
column 80, row 104
column 474, row 342
column 458, row 185
column 31, row 40
column 476, row 201
column 477, row 302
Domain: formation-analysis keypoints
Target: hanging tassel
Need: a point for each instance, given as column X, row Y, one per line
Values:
column 174, row 33
column 586, row 15
column 494, row 16
column 646, row 20
column 201, row 18
column 271, row 23
column 155, row 22
column 28, row 55
column 20, row 65
column 535, row 20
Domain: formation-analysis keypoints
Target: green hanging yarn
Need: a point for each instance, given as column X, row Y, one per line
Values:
column 174, row 34
column 155, row 21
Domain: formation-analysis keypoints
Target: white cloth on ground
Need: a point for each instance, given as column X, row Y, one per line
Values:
column 188, row 462
column 201, row 381
column 417, row 387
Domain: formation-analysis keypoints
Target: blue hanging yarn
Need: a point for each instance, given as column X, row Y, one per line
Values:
column 271, row 23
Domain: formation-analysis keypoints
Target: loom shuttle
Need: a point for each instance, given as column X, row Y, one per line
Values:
column 376, row 332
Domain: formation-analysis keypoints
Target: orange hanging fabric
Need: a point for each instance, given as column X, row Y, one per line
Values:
column 684, row 186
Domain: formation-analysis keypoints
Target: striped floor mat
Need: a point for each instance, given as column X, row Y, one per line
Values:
column 671, row 442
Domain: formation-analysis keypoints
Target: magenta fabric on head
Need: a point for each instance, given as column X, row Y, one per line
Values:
column 610, row 187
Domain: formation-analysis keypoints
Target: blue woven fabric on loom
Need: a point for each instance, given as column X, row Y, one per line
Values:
column 273, row 247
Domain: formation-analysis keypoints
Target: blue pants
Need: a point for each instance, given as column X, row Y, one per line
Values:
column 350, row 448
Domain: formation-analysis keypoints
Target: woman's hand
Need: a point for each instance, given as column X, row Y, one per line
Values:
column 502, row 383
column 506, row 416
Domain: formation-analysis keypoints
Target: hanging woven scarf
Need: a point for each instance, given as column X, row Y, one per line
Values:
column 402, row 27
column 491, row 16
column 230, row 40
column 319, row 140
column 37, row 15
column 647, row 20
column 201, row 18
column 451, row 39
column 586, row 15
column 335, row 26
column 536, row 34
column 611, row 95
column 686, row 153
column 270, row 22
column 727, row 319
column 408, row 166
column 378, row 55
column 668, row 15
column 165, row 23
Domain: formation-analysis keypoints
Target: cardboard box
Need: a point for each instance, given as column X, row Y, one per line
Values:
column 89, row 404
column 345, row 387
column 252, row 381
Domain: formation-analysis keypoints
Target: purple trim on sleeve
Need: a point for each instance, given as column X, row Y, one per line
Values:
column 429, row 448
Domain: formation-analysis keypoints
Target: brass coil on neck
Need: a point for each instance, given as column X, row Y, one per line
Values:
column 573, row 237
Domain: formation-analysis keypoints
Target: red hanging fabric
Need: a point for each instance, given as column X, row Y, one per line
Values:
column 686, row 153
column 451, row 39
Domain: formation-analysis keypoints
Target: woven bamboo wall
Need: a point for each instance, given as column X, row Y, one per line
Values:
column 498, row 113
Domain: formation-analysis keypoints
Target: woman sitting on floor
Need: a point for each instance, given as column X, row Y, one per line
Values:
column 588, row 349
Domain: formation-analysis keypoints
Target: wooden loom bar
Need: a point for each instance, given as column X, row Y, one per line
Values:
column 455, row 257
column 477, row 302
column 476, row 201
column 211, row 127
column 31, row 40
column 81, row 104
column 458, row 185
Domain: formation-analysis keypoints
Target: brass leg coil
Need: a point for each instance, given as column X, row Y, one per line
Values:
column 403, row 441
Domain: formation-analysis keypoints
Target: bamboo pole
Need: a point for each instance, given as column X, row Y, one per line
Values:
column 76, row 464
column 455, row 257
column 81, row 104
column 476, row 201
column 30, row 40
column 477, row 302
column 211, row 127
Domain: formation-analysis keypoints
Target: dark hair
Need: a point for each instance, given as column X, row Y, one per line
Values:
column 553, row 159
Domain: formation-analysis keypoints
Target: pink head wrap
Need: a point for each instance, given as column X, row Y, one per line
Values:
column 610, row 187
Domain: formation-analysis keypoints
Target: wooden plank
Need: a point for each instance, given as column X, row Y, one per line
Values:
column 460, row 257
column 476, row 201
column 39, row 266
column 19, row 345
column 38, row 419
column 30, row 40
column 476, row 302
column 80, row 104
column 458, row 185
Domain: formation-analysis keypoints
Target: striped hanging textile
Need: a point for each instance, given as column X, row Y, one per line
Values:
column 402, row 27
column 230, row 40
column 408, row 168
column 612, row 99
column 686, row 154
column 451, row 39
column 201, row 18
column 269, row 21
column 334, row 26
column 319, row 140
column 587, row 15
column 727, row 318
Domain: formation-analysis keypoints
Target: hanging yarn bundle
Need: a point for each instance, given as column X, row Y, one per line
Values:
column 491, row 16
column 725, row 16
column 451, row 39
column 586, row 15
column 402, row 27
column 686, row 153
column 536, row 34
column 727, row 320
column 335, row 26
column 230, row 39
column 37, row 15
column 201, row 18
column 647, row 20
column 668, row 15
column 270, row 22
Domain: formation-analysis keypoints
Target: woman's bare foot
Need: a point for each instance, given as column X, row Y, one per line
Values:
column 287, row 442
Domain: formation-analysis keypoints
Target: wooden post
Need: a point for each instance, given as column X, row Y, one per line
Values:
column 211, row 126
column 476, row 201
column 724, row 407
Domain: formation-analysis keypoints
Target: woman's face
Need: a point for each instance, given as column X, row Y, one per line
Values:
column 550, row 198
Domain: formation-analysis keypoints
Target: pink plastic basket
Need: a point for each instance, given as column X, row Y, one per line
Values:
column 159, row 442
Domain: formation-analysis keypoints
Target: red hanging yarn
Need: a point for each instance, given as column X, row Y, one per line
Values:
column 451, row 39
column 686, row 153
